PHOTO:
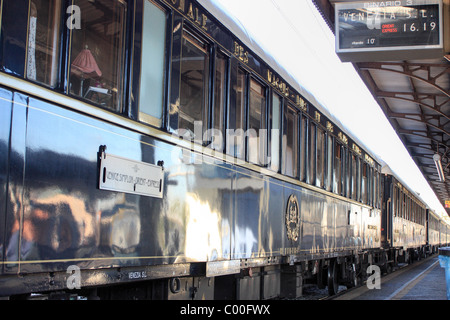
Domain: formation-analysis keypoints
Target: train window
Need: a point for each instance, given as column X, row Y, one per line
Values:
column 97, row 53
column 364, row 183
column 320, row 158
column 407, row 210
column 380, row 190
column 312, row 153
column 303, row 148
column 409, row 206
column 194, row 83
column 13, row 39
column 395, row 201
column 151, row 93
column 375, row 189
column 348, row 169
column 220, row 94
column 372, row 179
column 43, row 42
column 418, row 215
column 337, row 181
column 275, row 126
column 256, row 141
column 415, row 212
column 330, row 147
column 371, row 187
column 353, row 177
column 369, row 184
column 358, row 179
column 236, row 121
column 290, row 142
column 404, row 205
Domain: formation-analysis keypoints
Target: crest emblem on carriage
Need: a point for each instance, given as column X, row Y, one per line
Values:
column 292, row 218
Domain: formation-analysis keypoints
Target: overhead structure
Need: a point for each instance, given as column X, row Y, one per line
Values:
column 414, row 94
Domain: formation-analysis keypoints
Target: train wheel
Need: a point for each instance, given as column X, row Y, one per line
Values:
column 333, row 284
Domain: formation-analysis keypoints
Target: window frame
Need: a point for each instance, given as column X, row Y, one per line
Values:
column 295, row 135
column 329, row 161
column 261, row 138
column 274, row 134
column 220, row 109
column 175, row 82
column 235, row 135
column 312, row 152
column 122, row 76
column 320, row 157
column 56, row 60
column 338, row 163
column 137, row 68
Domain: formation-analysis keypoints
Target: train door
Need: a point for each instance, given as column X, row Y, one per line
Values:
column 388, row 205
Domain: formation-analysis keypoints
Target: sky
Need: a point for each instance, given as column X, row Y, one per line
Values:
column 295, row 34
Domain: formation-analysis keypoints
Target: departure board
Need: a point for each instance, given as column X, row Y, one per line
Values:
column 383, row 26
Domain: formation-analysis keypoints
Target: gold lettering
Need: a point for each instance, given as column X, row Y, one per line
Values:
column 317, row 116
column 330, row 126
column 269, row 76
column 356, row 149
column 190, row 12
column 369, row 160
column 236, row 48
column 205, row 18
column 343, row 138
column 240, row 52
column 197, row 20
column 275, row 82
column 301, row 103
column 181, row 5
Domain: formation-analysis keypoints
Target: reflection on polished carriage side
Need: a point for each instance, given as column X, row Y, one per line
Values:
column 171, row 213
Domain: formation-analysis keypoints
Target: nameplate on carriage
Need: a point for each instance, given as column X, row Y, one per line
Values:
column 130, row 176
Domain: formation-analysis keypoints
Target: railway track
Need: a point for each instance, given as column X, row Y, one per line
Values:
column 355, row 292
column 312, row 292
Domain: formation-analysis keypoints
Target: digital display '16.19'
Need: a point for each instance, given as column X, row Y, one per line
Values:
column 385, row 25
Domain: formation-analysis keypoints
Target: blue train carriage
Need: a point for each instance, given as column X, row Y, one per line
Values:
column 405, row 228
column 444, row 233
column 434, row 232
column 161, row 157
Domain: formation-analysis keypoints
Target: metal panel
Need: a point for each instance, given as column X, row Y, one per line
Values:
column 5, row 129
column 14, row 227
column 68, row 220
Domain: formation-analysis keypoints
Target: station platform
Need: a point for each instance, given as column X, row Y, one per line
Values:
column 423, row 280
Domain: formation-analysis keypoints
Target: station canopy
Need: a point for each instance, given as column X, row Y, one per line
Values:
column 414, row 94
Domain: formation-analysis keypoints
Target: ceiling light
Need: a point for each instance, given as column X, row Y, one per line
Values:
column 437, row 162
